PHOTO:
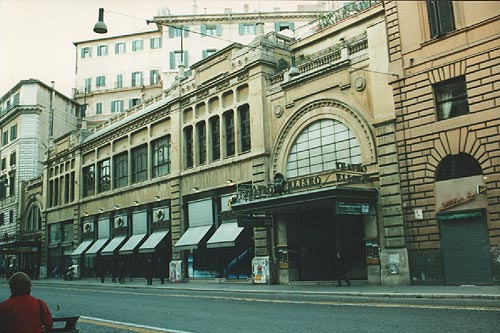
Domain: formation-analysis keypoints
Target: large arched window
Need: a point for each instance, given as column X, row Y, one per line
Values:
column 33, row 219
column 457, row 166
column 320, row 146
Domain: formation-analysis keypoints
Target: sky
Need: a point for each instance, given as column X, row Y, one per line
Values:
column 36, row 36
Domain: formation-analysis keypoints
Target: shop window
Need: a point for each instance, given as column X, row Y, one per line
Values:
column 458, row 166
column 215, row 138
column 451, row 98
column 188, row 139
column 441, row 18
column 201, row 132
column 104, row 175
column 244, row 115
column 120, row 170
column 161, row 156
column 322, row 145
column 229, row 133
column 139, row 164
column 88, row 174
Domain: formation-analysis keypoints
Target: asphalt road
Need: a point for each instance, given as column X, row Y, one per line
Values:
column 106, row 309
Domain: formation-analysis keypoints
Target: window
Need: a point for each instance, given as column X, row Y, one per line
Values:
column 137, row 45
column 133, row 102
column 100, row 81
column 120, row 48
column 160, row 157
column 283, row 26
column 229, row 131
column 88, row 174
column 177, row 58
column 12, row 184
column 13, row 132
column 177, row 31
column 16, row 99
column 201, row 132
column 441, row 18
column 155, row 43
column 4, row 163
column 2, row 219
column 154, row 77
column 244, row 115
column 88, row 84
column 320, row 146
column 34, row 219
column 451, row 98
column 117, row 106
column 102, row 50
column 104, row 175
column 136, row 79
column 207, row 53
column 247, row 29
column 139, row 164
column 5, row 138
column 12, row 159
column 458, row 166
column 120, row 170
column 215, row 138
column 85, row 52
column 98, row 108
column 11, row 216
column 3, row 186
column 119, row 81
column 211, row 30
column 188, row 139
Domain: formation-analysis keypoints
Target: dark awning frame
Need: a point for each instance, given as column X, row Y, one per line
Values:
column 269, row 204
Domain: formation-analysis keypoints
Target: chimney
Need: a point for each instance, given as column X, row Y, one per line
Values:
column 260, row 28
column 246, row 8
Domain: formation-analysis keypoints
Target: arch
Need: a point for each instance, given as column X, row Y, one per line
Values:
column 33, row 219
column 319, row 110
column 457, row 166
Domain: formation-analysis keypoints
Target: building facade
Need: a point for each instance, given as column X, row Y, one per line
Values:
column 31, row 114
column 116, row 73
column 446, row 57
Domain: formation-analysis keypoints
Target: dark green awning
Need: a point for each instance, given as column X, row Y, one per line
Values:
column 459, row 215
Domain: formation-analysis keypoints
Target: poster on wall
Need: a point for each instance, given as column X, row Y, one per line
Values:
column 260, row 269
column 176, row 271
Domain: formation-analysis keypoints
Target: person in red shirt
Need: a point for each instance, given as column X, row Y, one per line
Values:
column 22, row 313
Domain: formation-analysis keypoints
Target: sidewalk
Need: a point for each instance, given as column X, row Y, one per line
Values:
column 358, row 288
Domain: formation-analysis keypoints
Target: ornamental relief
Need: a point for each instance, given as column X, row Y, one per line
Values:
column 323, row 109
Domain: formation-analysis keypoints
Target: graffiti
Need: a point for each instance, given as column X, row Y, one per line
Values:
column 494, row 251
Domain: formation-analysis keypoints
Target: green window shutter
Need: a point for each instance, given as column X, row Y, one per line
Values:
column 186, row 31
column 240, row 28
column 171, row 32
column 203, row 30
column 204, row 54
column 277, row 27
column 186, row 62
column 172, row 60
column 219, row 30
column 292, row 26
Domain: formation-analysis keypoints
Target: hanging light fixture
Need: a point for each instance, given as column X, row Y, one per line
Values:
column 100, row 27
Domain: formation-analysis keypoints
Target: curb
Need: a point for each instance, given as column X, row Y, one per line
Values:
column 367, row 294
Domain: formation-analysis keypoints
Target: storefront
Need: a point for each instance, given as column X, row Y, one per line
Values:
column 311, row 222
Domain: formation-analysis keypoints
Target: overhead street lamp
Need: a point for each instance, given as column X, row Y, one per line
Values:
column 100, row 27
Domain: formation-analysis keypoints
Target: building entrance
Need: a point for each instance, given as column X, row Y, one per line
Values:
column 316, row 237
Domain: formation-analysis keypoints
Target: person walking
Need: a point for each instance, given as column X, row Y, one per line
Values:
column 341, row 270
column 149, row 273
column 23, row 312
column 122, row 272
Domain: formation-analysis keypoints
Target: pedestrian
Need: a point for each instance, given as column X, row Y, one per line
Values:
column 149, row 272
column 122, row 271
column 341, row 270
column 23, row 312
column 100, row 269
column 161, row 270
column 114, row 271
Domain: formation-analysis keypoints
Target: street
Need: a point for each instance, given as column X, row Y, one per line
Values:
column 111, row 308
